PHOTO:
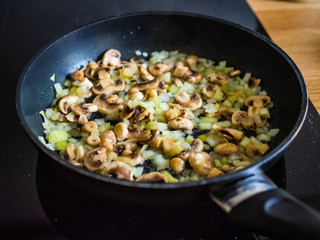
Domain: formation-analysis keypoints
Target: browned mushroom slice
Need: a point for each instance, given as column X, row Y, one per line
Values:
column 108, row 134
column 77, row 75
column 228, row 133
column 241, row 118
column 65, row 102
column 201, row 163
column 134, row 93
column 84, row 108
column 177, row 164
column 185, row 102
column 226, row 149
column 258, row 101
column 130, row 158
column 127, row 112
column 217, row 78
column 111, row 58
column 191, row 60
column 234, row 73
column 253, row 149
column 153, row 177
column 210, row 89
column 147, row 85
column 112, row 87
column 180, row 69
column 128, row 69
column 95, row 159
column 145, row 75
column 253, row 82
column 121, row 131
column 75, row 154
column 147, row 136
column 159, row 68
column 192, row 76
column 130, row 144
column 180, row 123
column 85, row 88
column 120, row 170
column 196, row 146
column 107, row 104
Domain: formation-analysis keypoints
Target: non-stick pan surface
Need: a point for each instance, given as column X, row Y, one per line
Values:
column 199, row 35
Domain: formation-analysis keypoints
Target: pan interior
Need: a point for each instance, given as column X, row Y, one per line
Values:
column 203, row 37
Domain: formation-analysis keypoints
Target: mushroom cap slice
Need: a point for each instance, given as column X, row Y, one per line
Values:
column 257, row 101
column 185, row 102
column 241, row 118
column 120, row 170
column 84, row 108
column 196, row 146
column 226, row 149
column 95, row 159
column 111, row 58
column 201, row 163
column 180, row 123
column 132, row 159
column 147, row 136
column 210, row 89
column 159, row 68
column 121, row 131
column 127, row 112
column 113, row 87
column 147, row 85
column 152, row 177
column 107, row 104
column 65, row 102
column 228, row 133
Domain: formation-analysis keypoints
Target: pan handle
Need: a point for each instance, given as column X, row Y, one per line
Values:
column 256, row 204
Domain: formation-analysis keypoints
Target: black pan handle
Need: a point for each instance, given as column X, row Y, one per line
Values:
column 257, row 205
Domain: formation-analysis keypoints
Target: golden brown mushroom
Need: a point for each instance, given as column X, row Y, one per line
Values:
column 201, row 162
column 242, row 119
column 253, row 82
column 107, row 105
column 147, row 136
column 111, row 58
column 226, row 149
column 258, row 101
column 183, row 101
column 159, row 68
column 95, row 159
column 84, row 108
column 108, row 86
column 120, row 170
column 153, row 177
column 65, row 102
column 210, row 89
column 196, row 146
column 180, row 123
column 191, row 60
column 180, row 69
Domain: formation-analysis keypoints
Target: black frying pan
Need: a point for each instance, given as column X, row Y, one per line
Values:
column 249, row 197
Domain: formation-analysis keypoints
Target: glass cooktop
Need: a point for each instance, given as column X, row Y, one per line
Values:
column 37, row 203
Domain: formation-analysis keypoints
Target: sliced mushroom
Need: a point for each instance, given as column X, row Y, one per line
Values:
column 192, row 76
column 234, row 73
column 127, row 112
column 75, row 154
column 226, row 149
column 130, row 144
column 157, row 142
column 253, row 82
column 120, row 170
column 65, row 102
column 121, row 131
column 191, row 60
column 242, row 119
column 147, row 136
column 128, row 69
column 228, row 133
column 177, row 164
column 112, row 87
column 134, row 93
column 95, row 159
column 83, row 118
column 210, row 90
column 225, row 112
column 109, row 134
column 147, row 85
column 185, row 102
column 196, row 146
column 84, row 108
column 153, row 177
column 162, row 87
column 85, row 87
column 180, row 69
column 178, row 82
column 107, row 105
column 111, row 58
column 159, row 68
column 77, row 75
column 214, row 172
column 180, row 123
column 253, row 149
column 258, row 101
column 217, row 78
column 145, row 75
column 171, row 114
column 201, row 163
column 168, row 145
column 137, row 60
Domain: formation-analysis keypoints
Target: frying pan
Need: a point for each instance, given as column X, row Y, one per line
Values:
column 251, row 199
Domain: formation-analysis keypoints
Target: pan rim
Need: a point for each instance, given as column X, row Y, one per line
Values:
column 211, row 181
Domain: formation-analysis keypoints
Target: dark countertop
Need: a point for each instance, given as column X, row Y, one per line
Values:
column 28, row 25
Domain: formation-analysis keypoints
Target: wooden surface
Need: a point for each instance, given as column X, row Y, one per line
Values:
column 295, row 27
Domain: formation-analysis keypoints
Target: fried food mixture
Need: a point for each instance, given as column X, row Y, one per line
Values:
column 171, row 117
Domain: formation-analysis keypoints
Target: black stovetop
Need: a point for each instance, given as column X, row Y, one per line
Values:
column 25, row 179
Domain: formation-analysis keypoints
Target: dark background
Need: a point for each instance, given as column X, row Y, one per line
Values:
column 28, row 25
